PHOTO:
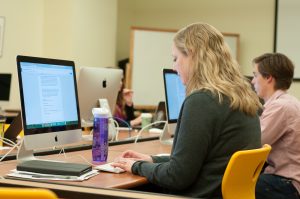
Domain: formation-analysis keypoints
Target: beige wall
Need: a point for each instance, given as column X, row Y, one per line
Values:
column 23, row 34
column 80, row 30
column 254, row 20
column 97, row 32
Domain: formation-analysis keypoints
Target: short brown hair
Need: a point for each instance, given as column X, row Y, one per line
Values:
column 278, row 66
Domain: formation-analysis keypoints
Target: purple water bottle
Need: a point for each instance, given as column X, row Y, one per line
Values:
column 100, row 135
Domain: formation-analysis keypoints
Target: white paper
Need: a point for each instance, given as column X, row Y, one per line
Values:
column 41, row 176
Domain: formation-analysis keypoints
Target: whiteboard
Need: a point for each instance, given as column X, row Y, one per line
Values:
column 150, row 52
column 288, row 31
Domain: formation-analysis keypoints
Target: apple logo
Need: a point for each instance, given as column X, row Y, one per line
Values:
column 104, row 83
column 56, row 139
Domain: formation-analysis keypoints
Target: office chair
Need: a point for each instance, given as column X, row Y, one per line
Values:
column 26, row 193
column 242, row 172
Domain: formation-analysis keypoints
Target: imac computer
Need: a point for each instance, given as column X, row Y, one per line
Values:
column 5, row 83
column 49, row 104
column 174, row 95
column 98, row 87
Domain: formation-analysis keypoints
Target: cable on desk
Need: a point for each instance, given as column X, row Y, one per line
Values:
column 125, row 122
column 117, row 130
column 62, row 151
column 9, row 143
column 145, row 127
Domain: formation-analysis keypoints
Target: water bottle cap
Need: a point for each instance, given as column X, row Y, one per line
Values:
column 100, row 112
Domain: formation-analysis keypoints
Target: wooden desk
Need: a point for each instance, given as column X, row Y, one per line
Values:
column 103, row 180
column 123, row 139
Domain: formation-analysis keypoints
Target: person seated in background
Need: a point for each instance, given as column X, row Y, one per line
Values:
column 124, row 110
column 280, row 126
column 218, row 117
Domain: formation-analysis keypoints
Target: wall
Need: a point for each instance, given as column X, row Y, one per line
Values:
column 288, row 31
column 23, row 34
column 80, row 30
column 86, row 30
column 94, row 27
column 253, row 20
column 287, row 36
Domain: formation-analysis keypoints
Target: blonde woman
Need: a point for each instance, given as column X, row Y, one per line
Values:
column 217, row 118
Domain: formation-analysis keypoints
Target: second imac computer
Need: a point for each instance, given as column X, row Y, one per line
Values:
column 175, row 93
column 49, row 103
column 98, row 87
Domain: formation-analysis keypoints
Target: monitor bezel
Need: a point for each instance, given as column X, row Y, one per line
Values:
column 39, row 60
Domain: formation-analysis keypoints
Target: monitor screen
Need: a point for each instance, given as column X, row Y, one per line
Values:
column 5, row 82
column 96, row 83
column 174, row 93
column 50, row 111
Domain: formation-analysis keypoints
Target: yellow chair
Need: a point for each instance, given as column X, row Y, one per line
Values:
column 242, row 172
column 26, row 193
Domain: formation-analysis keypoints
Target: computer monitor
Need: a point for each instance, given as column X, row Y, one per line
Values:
column 174, row 95
column 96, row 83
column 49, row 104
column 5, row 83
column 98, row 87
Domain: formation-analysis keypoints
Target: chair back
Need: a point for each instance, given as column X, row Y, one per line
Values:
column 242, row 172
column 26, row 193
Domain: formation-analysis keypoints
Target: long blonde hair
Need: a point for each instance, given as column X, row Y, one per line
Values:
column 213, row 68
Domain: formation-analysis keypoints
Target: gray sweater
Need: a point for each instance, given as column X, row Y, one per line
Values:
column 207, row 134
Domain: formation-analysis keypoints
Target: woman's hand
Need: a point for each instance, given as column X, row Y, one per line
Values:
column 128, row 158
column 135, row 156
column 124, row 163
column 136, row 121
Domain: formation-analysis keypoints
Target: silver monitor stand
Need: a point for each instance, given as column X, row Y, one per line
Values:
column 166, row 137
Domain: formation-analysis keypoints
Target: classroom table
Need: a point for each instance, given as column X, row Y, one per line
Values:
column 103, row 181
column 124, row 137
